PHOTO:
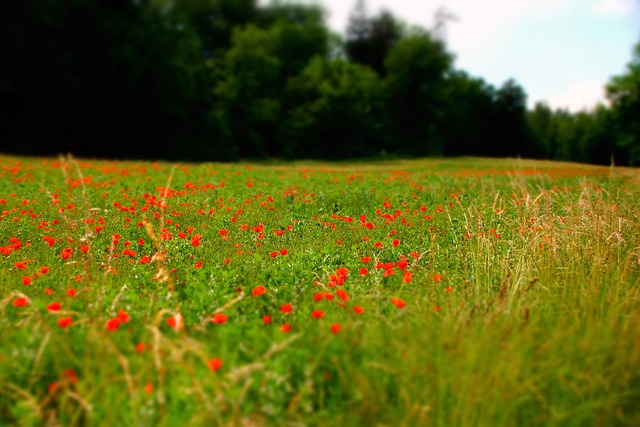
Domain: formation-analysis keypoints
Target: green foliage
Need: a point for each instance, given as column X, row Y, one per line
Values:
column 337, row 111
column 254, row 73
column 586, row 137
column 545, row 128
column 212, row 20
column 97, row 78
column 624, row 94
column 229, row 79
column 301, row 35
column 246, row 95
column 416, row 68
column 471, row 123
column 369, row 40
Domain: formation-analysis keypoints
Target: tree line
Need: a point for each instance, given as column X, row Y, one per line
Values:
column 229, row 79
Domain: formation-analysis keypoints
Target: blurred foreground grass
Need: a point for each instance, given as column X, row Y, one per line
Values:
column 461, row 292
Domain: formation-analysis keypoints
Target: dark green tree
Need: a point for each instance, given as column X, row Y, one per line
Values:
column 357, row 34
column 301, row 34
column 253, row 75
column 586, row 136
column 338, row 113
column 544, row 126
column 369, row 40
column 212, row 20
column 417, row 68
column 467, row 115
column 597, row 145
column 624, row 95
column 513, row 137
column 247, row 100
column 100, row 78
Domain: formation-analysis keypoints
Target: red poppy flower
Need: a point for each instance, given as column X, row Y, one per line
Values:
column 358, row 310
column 398, row 302
column 20, row 302
column 219, row 318
column 286, row 308
column 65, row 322
column 113, row 324
column 71, row 292
column 66, row 253
column 123, row 316
column 54, row 306
column 175, row 322
column 70, row 375
column 407, row 277
column 20, row 265
column 317, row 314
column 364, row 271
column 26, row 280
column 266, row 319
column 285, row 328
column 215, row 364
column 335, row 328
column 258, row 290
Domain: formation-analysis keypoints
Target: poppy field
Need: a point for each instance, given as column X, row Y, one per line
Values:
column 441, row 292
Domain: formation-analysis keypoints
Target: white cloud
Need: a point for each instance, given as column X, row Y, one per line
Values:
column 579, row 96
column 613, row 7
column 487, row 24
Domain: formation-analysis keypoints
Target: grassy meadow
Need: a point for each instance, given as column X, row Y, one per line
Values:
column 441, row 292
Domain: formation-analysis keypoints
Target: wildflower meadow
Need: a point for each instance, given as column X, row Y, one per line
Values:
column 457, row 292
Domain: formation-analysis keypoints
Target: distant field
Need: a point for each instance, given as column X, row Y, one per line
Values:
column 449, row 292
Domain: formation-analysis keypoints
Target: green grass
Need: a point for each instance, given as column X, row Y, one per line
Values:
column 523, row 306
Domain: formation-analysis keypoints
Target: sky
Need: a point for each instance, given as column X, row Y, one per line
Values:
column 562, row 52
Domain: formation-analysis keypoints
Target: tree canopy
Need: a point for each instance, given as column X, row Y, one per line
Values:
column 231, row 79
